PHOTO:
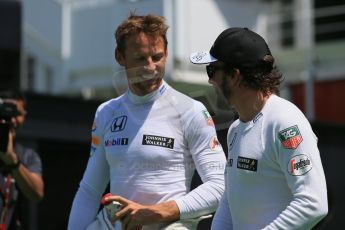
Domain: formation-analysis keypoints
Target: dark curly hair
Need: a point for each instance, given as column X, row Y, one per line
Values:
column 265, row 77
column 150, row 24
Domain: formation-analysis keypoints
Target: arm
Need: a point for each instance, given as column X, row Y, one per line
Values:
column 30, row 183
column 209, row 159
column 95, row 179
column 134, row 215
column 303, row 171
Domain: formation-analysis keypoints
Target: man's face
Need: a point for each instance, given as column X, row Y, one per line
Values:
column 144, row 59
column 18, row 120
column 220, row 81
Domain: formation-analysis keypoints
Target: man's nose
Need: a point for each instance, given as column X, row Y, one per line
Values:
column 150, row 65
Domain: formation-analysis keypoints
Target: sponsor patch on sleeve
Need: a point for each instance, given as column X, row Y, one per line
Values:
column 299, row 165
column 208, row 117
column 95, row 141
column 214, row 143
column 94, row 144
column 290, row 137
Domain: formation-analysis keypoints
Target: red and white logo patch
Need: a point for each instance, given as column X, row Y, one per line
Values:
column 290, row 137
column 299, row 165
column 214, row 143
column 208, row 118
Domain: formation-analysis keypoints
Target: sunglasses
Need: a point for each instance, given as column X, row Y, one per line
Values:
column 211, row 70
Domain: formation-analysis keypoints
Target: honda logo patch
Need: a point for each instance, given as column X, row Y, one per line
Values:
column 119, row 124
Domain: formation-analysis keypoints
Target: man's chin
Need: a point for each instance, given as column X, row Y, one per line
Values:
column 152, row 85
column 148, row 86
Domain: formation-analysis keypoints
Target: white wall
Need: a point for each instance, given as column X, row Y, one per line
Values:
column 75, row 38
column 199, row 22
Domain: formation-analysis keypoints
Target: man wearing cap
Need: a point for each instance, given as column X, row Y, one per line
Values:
column 274, row 175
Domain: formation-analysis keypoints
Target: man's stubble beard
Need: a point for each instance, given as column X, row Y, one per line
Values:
column 223, row 94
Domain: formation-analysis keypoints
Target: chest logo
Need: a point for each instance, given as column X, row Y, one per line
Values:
column 166, row 142
column 247, row 164
column 119, row 124
column 116, row 141
column 290, row 137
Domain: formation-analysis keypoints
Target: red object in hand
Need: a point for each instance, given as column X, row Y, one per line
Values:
column 111, row 207
column 103, row 201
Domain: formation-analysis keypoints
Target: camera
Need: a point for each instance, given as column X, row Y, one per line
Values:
column 7, row 111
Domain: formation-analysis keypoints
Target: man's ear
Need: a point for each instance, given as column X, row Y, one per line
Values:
column 236, row 76
column 236, row 72
column 119, row 57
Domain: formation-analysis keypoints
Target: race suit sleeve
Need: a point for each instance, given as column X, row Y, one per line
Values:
column 209, row 160
column 298, row 157
column 222, row 218
column 92, row 186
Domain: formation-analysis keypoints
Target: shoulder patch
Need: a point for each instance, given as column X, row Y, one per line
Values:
column 290, row 137
column 214, row 143
column 208, row 117
column 299, row 165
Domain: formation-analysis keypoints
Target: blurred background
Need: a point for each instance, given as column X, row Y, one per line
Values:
column 61, row 54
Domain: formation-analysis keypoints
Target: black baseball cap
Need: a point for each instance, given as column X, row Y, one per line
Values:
column 238, row 47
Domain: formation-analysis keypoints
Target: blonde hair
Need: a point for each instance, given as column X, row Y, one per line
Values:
column 150, row 24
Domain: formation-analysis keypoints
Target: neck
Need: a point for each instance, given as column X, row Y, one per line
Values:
column 147, row 97
column 250, row 104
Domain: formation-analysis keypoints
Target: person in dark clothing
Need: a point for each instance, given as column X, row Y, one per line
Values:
column 20, row 167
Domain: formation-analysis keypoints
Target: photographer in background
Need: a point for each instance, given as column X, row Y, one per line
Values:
column 20, row 167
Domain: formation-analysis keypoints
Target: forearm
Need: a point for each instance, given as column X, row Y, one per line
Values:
column 134, row 215
column 202, row 200
column 30, row 184
column 84, row 208
column 301, row 214
column 165, row 212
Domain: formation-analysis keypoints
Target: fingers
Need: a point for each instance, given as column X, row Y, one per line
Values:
column 128, row 223
column 109, row 197
column 126, row 213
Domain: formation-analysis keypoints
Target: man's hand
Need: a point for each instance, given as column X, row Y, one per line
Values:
column 134, row 215
column 30, row 184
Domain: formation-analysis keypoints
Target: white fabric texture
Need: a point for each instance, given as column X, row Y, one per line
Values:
column 274, row 177
column 148, row 148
